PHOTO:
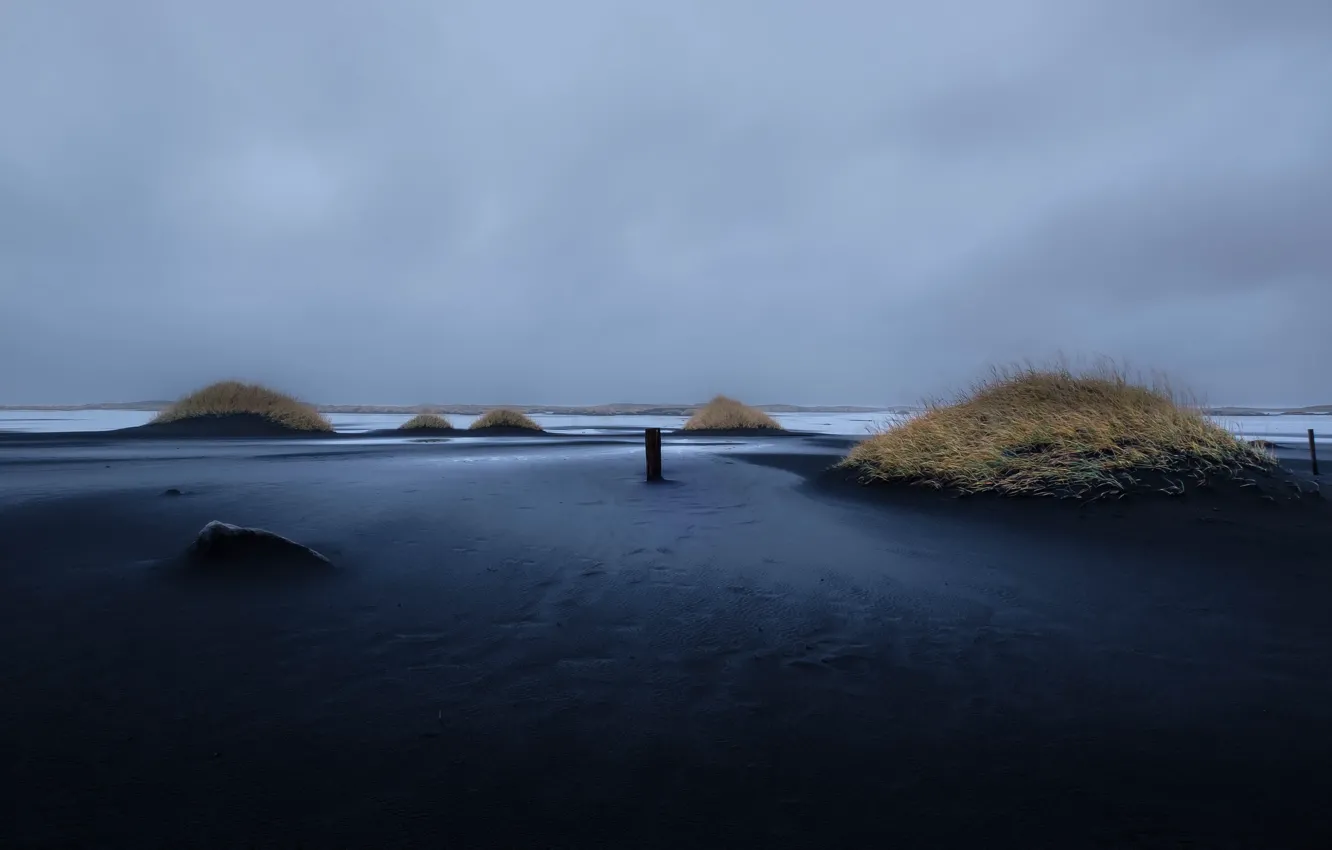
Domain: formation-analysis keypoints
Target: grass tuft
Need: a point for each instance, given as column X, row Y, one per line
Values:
column 430, row 421
column 724, row 413
column 228, row 398
column 1030, row 431
column 504, row 417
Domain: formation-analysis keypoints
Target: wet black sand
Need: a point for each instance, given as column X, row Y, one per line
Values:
column 523, row 645
column 492, row 431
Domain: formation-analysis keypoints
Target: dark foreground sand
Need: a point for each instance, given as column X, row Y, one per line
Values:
column 527, row 646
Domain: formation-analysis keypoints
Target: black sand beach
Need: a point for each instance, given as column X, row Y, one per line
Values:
column 522, row 644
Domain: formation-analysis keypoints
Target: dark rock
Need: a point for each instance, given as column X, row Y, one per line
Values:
column 223, row 543
column 171, row 491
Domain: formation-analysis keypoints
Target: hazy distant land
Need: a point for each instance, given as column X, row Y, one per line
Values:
column 625, row 409
column 621, row 409
column 1311, row 410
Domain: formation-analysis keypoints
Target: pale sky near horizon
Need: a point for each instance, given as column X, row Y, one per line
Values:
column 859, row 202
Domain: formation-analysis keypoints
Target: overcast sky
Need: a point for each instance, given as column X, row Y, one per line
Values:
column 631, row 200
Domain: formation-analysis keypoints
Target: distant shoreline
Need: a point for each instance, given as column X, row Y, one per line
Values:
column 624, row 409
column 477, row 409
column 1311, row 410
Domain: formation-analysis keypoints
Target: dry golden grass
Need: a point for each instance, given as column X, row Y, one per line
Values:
column 226, row 398
column 1029, row 431
column 420, row 421
column 724, row 413
column 504, row 417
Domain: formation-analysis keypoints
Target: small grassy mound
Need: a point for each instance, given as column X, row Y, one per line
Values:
column 230, row 398
column 1053, row 432
column 504, row 417
column 727, row 414
column 426, row 421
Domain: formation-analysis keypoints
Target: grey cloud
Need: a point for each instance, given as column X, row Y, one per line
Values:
column 479, row 202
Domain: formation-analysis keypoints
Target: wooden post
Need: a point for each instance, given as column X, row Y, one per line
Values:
column 1313, row 453
column 652, row 444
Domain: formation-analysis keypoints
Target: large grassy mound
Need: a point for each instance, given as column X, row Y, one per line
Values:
column 504, row 417
column 231, row 398
column 727, row 414
column 1053, row 432
column 426, row 421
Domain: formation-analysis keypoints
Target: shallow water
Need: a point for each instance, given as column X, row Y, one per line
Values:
column 824, row 423
column 1286, row 428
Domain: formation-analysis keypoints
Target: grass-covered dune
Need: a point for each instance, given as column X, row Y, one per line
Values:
column 236, row 402
column 1043, row 432
column 426, row 422
column 504, row 418
column 727, row 414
